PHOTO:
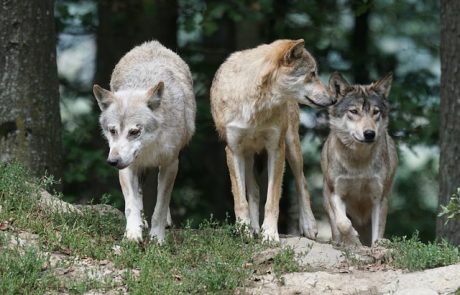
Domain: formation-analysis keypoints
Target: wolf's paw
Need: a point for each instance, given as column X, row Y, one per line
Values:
column 255, row 229
column 158, row 233
column 308, row 228
column 169, row 222
column 133, row 234
column 244, row 228
column 352, row 240
column 270, row 234
column 381, row 243
column 270, row 237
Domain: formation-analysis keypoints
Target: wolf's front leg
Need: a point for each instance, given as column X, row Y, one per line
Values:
column 237, row 169
column 349, row 234
column 327, row 195
column 133, row 203
column 166, row 178
column 253, row 193
column 276, row 159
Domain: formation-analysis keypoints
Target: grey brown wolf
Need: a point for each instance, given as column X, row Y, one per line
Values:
column 147, row 118
column 358, row 160
column 254, row 104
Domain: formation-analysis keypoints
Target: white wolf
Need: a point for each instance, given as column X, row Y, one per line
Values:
column 147, row 118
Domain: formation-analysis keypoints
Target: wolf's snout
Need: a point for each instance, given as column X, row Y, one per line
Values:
column 322, row 102
column 113, row 162
column 369, row 135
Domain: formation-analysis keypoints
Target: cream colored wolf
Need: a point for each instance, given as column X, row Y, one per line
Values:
column 147, row 118
column 358, row 160
column 254, row 102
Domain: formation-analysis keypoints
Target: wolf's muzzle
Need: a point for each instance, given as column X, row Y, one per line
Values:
column 116, row 162
column 369, row 135
column 333, row 101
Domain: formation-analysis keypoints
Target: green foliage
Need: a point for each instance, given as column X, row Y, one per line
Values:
column 452, row 210
column 285, row 262
column 15, row 183
column 208, row 260
column 413, row 207
column 414, row 255
column 22, row 273
column 24, row 270
column 84, row 233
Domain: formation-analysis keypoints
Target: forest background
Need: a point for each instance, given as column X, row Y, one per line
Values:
column 363, row 40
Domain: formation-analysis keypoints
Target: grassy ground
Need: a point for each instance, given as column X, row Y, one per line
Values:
column 214, row 258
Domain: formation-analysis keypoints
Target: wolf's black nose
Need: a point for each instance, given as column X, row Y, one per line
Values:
column 369, row 135
column 112, row 162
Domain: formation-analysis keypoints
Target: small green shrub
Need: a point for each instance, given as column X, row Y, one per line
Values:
column 17, row 187
column 285, row 262
column 452, row 210
column 414, row 255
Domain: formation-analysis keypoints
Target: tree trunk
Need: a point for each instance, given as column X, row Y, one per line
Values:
column 359, row 41
column 30, row 122
column 124, row 24
column 449, row 167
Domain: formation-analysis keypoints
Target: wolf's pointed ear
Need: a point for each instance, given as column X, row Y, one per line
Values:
column 338, row 85
column 154, row 95
column 103, row 97
column 383, row 86
column 294, row 51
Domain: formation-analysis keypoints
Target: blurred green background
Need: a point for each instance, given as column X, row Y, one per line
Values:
column 362, row 39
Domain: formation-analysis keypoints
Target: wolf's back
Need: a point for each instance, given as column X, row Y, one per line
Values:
column 147, row 63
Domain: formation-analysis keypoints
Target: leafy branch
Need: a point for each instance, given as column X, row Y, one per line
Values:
column 453, row 207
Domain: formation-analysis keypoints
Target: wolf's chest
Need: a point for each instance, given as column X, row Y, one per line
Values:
column 359, row 185
column 251, row 138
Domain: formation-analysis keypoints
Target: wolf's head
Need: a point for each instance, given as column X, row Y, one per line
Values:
column 361, row 112
column 294, row 74
column 128, row 121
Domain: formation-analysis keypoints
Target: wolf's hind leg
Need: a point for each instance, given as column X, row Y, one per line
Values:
column 307, row 222
column 133, row 203
column 276, row 159
column 166, row 178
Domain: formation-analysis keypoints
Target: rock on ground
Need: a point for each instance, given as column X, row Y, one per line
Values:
column 332, row 278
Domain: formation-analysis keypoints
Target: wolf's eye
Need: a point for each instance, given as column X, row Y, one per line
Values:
column 353, row 111
column 112, row 131
column 134, row 132
column 376, row 112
